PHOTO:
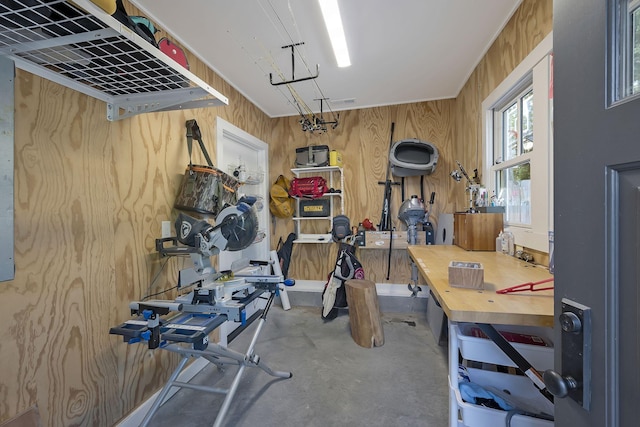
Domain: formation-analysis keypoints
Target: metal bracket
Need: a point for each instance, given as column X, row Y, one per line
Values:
column 293, row 68
column 7, row 141
column 120, row 107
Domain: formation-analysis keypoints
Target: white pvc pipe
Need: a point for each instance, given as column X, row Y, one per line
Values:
column 284, row 298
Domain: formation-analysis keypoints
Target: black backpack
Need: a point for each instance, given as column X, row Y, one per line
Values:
column 284, row 251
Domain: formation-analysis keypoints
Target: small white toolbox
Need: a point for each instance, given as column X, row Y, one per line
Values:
column 485, row 350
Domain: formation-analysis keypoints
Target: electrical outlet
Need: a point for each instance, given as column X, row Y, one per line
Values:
column 166, row 229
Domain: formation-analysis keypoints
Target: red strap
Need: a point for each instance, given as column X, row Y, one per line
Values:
column 529, row 286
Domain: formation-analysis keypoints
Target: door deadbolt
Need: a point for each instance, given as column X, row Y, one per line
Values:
column 570, row 322
column 573, row 379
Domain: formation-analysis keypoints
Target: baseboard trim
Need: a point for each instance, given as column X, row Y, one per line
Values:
column 383, row 289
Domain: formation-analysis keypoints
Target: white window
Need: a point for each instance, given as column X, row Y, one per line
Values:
column 518, row 147
column 634, row 51
column 625, row 51
column 512, row 143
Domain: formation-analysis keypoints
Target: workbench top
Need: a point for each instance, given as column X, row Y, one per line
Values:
column 486, row 306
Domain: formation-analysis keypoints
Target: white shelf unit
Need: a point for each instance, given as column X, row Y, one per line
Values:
column 80, row 46
column 519, row 387
column 335, row 180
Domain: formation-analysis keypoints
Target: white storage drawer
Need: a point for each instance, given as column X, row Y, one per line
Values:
column 485, row 350
column 522, row 390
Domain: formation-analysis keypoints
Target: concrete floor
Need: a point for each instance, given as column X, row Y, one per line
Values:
column 335, row 382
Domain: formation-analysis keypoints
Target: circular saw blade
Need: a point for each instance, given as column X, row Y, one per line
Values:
column 238, row 228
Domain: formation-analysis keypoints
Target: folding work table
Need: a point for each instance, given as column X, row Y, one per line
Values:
column 485, row 307
column 187, row 334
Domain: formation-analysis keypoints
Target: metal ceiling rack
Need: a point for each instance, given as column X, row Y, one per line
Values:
column 79, row 46
column 293, row 69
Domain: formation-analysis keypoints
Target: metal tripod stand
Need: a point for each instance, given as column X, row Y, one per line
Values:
column 219, row 356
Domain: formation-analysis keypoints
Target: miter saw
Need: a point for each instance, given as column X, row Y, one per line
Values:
column 212, row 292
column 215, row 299
column 236, row 228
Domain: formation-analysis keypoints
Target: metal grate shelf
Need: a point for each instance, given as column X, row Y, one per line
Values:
column 79, row 46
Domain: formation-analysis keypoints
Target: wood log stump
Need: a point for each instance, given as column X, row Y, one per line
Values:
column 364, row 313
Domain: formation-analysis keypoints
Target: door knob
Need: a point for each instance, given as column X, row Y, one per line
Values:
column 558, row 385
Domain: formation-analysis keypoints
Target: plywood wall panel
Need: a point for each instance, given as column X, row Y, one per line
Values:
column 452, row 125
column 364, row 139
column 90, row 199
column 530, row 24
column 63, row 206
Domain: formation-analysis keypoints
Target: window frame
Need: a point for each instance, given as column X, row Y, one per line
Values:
column 620, row 52
column 513, row 97
column 633, row 6
column 535, row 71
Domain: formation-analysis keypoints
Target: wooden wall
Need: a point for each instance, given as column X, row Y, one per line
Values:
column 90, row 196
column 363, row 138
column 530, row 24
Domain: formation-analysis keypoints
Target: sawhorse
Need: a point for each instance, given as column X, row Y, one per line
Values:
column 219, row 356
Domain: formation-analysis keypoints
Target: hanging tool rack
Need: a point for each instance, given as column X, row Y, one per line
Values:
column 309, row 121
column 293, row 68
column 318, row 123
column 80, row 46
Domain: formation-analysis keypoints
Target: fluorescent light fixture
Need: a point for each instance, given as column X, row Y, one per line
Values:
column 333, row 22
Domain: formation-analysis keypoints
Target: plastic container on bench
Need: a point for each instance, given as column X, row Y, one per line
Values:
column 522, row 390
column 485, row 350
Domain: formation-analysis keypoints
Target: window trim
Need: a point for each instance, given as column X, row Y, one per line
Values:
column 632, row 7
column 620, row 53
column 501, row 107
column 516, row 161
column 536, row 68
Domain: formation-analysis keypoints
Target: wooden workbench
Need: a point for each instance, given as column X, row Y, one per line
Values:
column 486, row 306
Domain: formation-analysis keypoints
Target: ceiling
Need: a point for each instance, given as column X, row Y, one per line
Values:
column 401, row 51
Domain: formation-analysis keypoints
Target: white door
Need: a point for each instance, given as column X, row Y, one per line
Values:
column 236, row 147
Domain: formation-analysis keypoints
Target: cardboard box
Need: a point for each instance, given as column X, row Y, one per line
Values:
column 464, row 274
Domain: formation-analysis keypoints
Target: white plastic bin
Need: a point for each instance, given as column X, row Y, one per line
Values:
column 520, row 387
column 485, row 350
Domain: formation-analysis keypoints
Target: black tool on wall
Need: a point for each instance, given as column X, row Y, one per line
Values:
column 430, row 238
column 385, row 216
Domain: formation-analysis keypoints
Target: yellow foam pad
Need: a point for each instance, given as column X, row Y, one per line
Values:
column 108, row 6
